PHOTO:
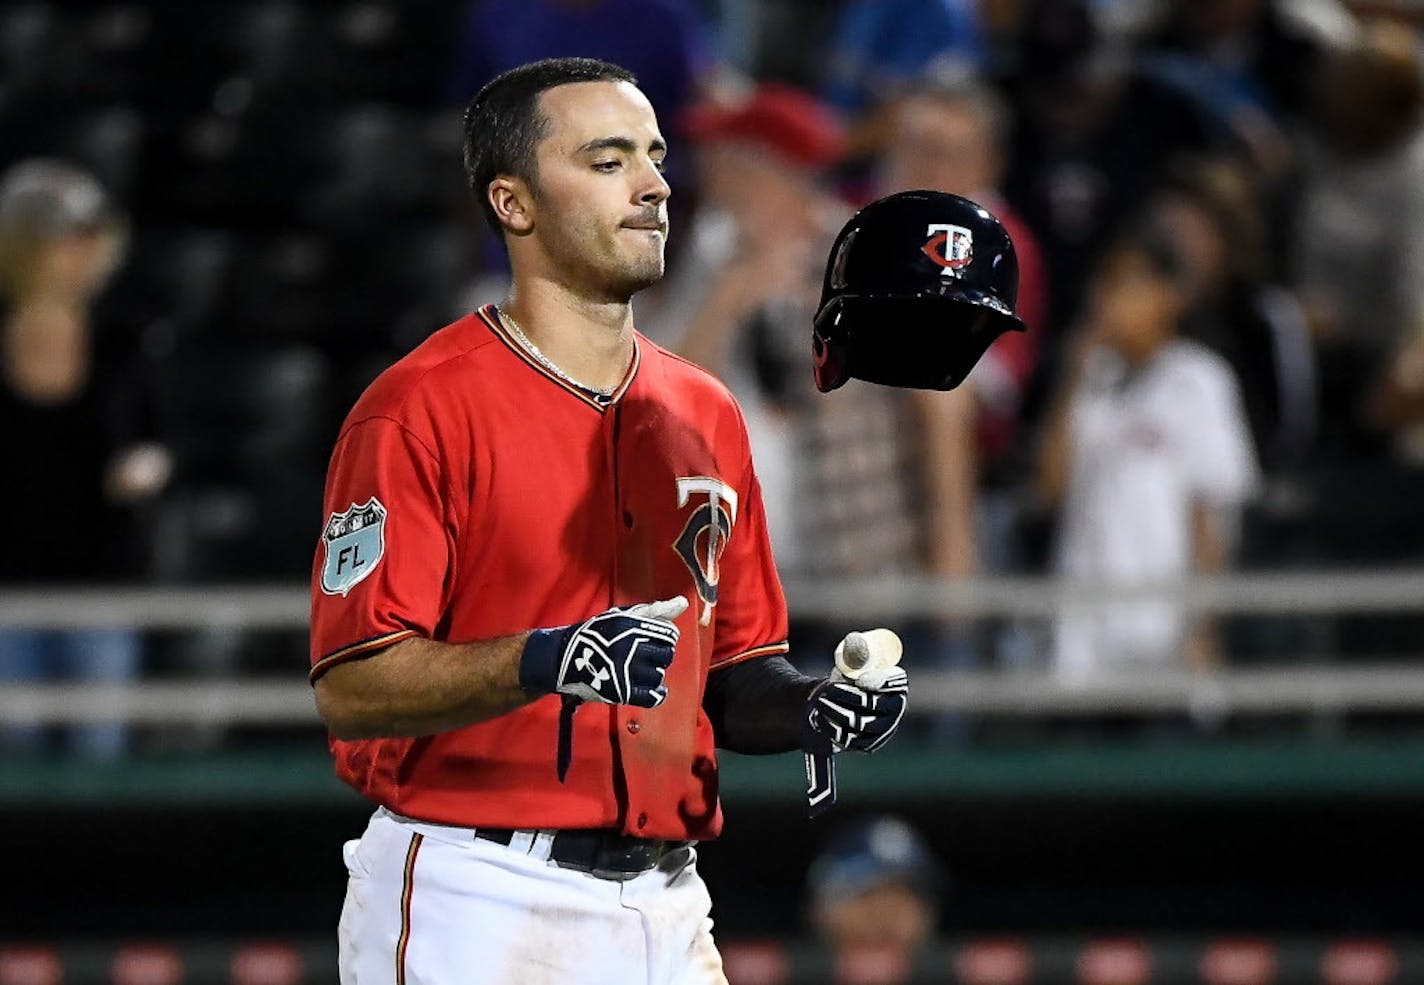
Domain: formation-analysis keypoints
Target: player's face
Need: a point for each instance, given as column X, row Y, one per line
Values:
column 600, row 209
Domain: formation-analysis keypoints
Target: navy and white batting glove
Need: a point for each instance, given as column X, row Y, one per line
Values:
column 618, row 657
column 858, row 714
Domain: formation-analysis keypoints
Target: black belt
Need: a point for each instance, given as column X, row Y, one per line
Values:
column 602, row 852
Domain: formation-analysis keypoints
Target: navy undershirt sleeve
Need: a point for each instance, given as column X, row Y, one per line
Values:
column 758, row 706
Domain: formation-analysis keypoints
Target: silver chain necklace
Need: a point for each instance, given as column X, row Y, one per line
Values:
column 544, row 360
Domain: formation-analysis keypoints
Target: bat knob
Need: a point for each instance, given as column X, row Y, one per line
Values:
column 859, row 652
column 853, row 654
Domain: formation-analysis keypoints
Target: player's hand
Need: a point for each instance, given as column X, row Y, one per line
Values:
column 858, row 714
column 618, row 657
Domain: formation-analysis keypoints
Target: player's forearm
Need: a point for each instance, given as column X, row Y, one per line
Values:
column 758, row 706
column 420, row 687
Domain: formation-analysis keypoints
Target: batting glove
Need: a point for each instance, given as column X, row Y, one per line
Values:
column 858, row 714
column 618, row 657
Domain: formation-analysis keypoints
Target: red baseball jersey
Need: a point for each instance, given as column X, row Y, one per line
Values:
column 473, row 494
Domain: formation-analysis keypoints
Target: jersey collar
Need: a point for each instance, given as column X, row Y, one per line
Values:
column 490, row 317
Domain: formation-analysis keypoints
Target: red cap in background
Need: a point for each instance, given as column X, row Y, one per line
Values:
column 777, row 118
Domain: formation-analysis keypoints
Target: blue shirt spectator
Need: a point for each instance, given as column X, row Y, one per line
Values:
column 1248, row 53
column 662, row 42
column 882, row 44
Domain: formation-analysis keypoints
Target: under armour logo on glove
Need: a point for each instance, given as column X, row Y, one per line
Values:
column 861, row 714
column 618, row 657
column 585, row 663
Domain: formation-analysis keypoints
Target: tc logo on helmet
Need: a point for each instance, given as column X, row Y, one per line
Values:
column 952, row 247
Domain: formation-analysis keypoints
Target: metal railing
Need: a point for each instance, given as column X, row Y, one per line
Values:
column 288, row 701
column 1396, row 687
column 859, row 599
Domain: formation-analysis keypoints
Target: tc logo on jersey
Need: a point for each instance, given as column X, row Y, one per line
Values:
column 355, row 542
column 705, row 535
column 952, row 247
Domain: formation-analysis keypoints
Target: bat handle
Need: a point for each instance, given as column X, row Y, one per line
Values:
column 820, row 781
column 854, row 656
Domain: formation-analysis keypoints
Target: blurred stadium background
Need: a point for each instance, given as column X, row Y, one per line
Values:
column 282, row 183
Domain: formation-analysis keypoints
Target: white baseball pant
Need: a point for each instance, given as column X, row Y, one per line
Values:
column 428, row 904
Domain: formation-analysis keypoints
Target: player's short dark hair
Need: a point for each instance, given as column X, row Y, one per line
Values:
column 503, row 124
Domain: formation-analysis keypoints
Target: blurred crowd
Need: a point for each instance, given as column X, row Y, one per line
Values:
column 219, row 221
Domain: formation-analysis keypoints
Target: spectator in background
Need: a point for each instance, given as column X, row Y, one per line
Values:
column 950, row 134
column 663, row 42
column 740, row 299
column 1249, row 64
column 1093, row 138
column 850, row 479
column 1360, row 238
column 735, row 25
column 866, row 480
column 1149, row 456
column 882, row 46
column 1257, row 55
column 71, row 421
column 1213, row 211
column 874, row 899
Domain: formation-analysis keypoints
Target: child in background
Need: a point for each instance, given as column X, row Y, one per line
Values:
column 1149, row 457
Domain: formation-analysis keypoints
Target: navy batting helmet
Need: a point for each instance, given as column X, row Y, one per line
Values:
column 918, row 284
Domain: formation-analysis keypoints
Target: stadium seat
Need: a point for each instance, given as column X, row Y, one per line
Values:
column 250, row 426
column 375, row 163
column 107, row 140
column 388, row 51
column 235, row 534
column 298, row 288
column 246, row 169
column 237, row 412
column 29, row 36
column 114, row 47
column 267, row 41
column 427, row 261
column 191, row 269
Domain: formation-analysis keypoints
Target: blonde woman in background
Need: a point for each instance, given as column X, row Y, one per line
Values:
column 71, row 430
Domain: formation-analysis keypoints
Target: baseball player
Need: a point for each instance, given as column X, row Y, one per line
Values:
column 543, row 594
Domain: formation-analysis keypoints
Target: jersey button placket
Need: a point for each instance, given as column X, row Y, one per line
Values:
column 633, row 726
column 642, row 820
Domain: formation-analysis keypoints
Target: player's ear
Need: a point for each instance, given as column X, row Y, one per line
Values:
column 511, row 201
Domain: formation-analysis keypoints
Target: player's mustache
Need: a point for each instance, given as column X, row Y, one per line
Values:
column 650, row 218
